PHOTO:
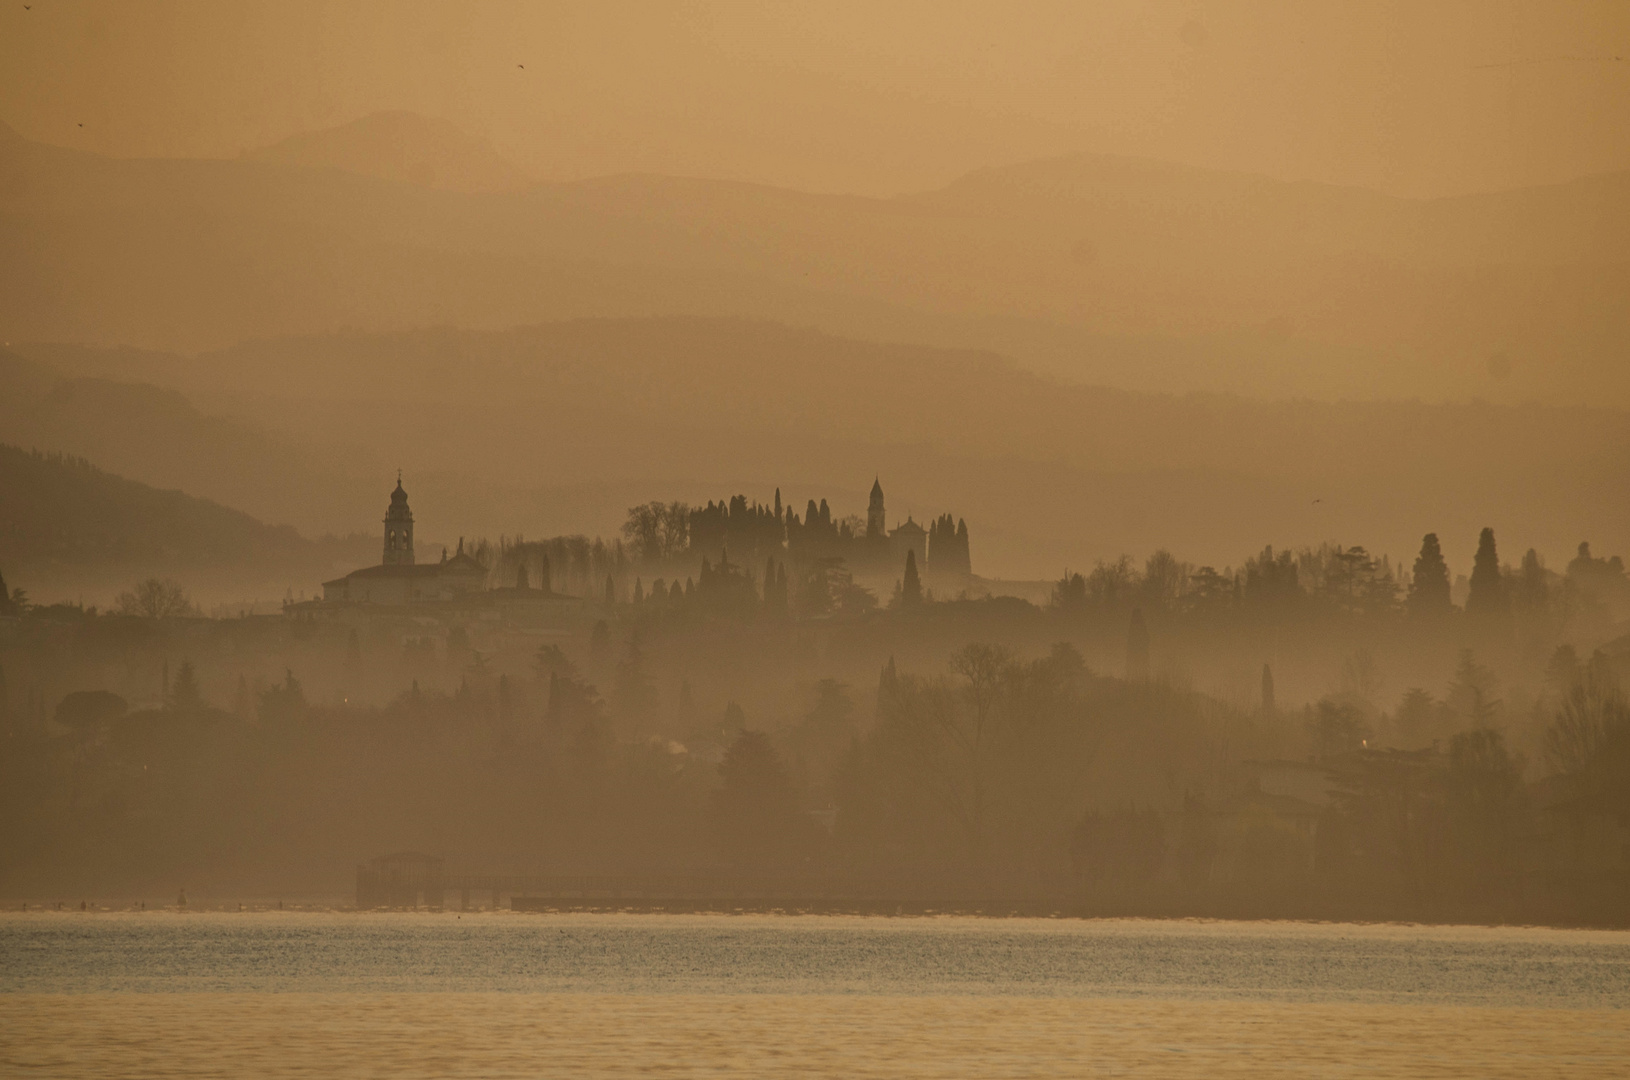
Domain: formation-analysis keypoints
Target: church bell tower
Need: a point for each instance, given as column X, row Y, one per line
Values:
column 398, row 529
column 877, row 529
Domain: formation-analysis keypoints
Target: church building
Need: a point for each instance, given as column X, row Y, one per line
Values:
column 399, row 579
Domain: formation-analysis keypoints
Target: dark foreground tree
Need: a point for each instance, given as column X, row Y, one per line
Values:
column 1487, row 598
column 755, row 811
column 911, row 590
column 1429, row 584
column 84, row 710
column 185, row 696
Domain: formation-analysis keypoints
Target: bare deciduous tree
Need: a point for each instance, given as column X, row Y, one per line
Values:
column 156, row 598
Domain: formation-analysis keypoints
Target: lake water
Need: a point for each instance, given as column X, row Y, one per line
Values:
column 502, row 995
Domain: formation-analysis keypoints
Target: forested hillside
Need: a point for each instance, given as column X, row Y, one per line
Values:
column 62, row 515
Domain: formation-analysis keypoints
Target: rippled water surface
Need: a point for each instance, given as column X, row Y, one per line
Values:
column 340, row 994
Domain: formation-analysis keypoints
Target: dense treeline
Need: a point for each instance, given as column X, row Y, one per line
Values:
column 730, row 724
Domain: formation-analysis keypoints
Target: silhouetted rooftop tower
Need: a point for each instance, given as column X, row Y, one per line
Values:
column 398, row 529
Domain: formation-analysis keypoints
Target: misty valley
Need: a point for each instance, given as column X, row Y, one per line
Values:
column 859, row 540
column 738, row 705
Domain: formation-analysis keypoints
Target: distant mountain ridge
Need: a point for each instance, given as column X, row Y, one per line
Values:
column 1133, row 274
column 558, row 428
column 403, row 147
column 154, row 434
column 67, row 527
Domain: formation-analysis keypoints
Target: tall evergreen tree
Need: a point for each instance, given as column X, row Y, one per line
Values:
column 1429, row 586
column 1487, row 598
column 911, row 591
column 888, row 681
column 1531, row 593
column 636, row 694
column 755, row 810
column 611, row 590
column 775, row 587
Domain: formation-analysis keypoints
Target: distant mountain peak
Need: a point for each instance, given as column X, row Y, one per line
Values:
column 401, row 146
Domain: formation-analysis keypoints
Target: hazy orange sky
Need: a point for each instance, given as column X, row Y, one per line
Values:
column 1411, row 98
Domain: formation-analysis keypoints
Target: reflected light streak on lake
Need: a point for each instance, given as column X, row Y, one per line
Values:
column 409, row 995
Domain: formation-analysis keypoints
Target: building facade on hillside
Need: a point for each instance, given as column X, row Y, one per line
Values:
column 909, row 536
column 399, row 579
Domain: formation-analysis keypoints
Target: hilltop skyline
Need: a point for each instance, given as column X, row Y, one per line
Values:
column 1445, row 99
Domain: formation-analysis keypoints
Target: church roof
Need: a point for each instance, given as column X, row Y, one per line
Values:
column 910, row 526
column 390, row 570
column 462, row 563
column 877, row 488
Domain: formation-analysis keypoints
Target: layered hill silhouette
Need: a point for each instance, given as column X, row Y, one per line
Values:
column 560, row 427
column 155, row 434
column 70, row 524
column 404, row 147
column 1129, row 273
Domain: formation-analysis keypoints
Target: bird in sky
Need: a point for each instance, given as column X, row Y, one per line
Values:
column 1318, row 500
column 521, row 66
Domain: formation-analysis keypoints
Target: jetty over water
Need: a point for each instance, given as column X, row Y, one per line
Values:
column 411, row 880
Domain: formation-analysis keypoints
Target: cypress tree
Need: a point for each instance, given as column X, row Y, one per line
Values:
column 1487, row 598
column 1429, row 585
column 611, row 590
column 888, row 681
column 911, row 592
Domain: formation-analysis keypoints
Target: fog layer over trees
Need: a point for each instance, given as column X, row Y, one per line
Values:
column 732, row 693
